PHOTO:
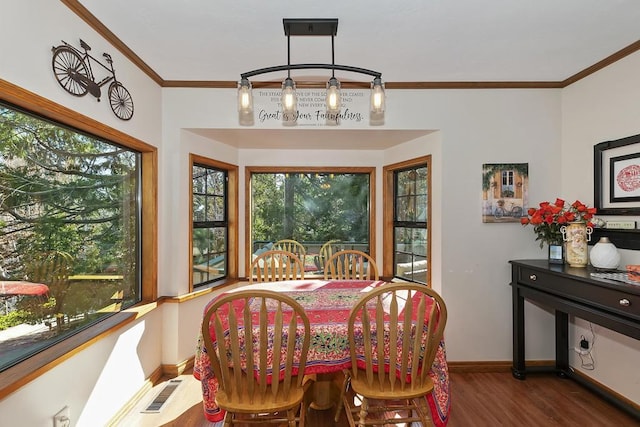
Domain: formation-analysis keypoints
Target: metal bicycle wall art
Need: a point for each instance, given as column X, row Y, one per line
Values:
column 73, row 69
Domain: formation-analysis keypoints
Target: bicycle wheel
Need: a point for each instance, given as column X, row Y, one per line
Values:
column 516, row 212
column 121, row 101
column 67, row 65
column 498, row 212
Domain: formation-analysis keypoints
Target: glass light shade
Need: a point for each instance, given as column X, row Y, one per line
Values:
column 333, row 95
column 245, row 103
column 376, row 109
column 333, row 101
column 289, row 102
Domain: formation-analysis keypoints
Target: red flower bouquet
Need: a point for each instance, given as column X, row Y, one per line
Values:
column 548, row 219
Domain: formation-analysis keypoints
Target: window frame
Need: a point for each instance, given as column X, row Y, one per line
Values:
column 389, row 209
column 231, row 219
column 249, row 170
column 23, row 372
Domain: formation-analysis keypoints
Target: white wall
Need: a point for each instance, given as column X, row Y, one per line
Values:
column 476, row 127
column 99, row 380
column 602, row 107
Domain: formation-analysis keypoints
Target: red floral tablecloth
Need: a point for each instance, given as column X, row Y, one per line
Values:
column 327, row 303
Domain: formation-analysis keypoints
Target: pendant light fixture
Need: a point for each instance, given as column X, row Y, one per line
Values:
column 289, row 99
column 310, row 27
column 333, row 93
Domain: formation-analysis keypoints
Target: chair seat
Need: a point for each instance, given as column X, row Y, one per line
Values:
column 360, row 386
column 270, row 403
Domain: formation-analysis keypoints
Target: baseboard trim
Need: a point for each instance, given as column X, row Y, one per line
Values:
column 491, row 366
column 179, row 369
column 153, row 379
column 611, row 395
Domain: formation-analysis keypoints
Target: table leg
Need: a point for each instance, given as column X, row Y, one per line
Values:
column 518, row 369
column 322, row 392
column 562, row 343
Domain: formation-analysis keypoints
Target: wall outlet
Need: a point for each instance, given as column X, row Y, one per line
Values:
column 62, row 418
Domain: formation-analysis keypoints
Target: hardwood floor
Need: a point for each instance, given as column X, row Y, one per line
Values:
column 495, row 399
column 477, row 400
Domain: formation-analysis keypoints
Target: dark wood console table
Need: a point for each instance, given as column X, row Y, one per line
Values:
column 569, row 290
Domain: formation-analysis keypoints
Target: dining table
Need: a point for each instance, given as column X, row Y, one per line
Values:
column 327, row 303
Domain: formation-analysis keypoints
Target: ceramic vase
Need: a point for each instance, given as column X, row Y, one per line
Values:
column 604, row 255
column 576, row 235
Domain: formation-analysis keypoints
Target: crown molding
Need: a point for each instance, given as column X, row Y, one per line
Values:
column 101, row 29
column 84, row 14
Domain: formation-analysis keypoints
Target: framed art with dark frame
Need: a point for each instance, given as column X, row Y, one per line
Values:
column 616, row 176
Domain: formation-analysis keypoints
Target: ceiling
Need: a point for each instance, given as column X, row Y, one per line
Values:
column 411, row 42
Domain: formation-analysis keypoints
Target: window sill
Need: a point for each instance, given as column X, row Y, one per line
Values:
column 22, row 373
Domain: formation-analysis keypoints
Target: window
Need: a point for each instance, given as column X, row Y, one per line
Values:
column 70, row 231
column 209, row 234
column 507, row 189
column 312, row 206
column 407, row 184
column 212, row 201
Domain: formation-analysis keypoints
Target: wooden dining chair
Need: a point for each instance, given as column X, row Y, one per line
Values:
column 326, row 250
column 259, row 333
column 351, row 264
column 291, row 246
column 276, row 265
column 394, row 332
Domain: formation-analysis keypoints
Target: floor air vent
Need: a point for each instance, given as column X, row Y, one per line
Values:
column 162, row 397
